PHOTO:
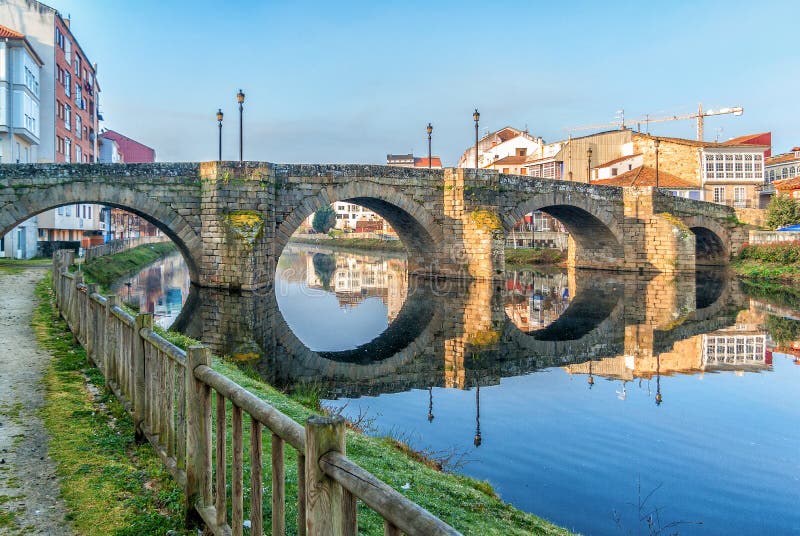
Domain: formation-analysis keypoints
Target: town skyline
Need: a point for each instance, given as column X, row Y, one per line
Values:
column 313, row 93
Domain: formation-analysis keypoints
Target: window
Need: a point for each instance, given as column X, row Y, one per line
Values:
column 68, row 210
column 67, row 150
column 719, row 194
column 78, row 127
column 77, row 66
column 785, row 172
column 68, row 51
column 59, row 39
column 739, row 196
column 67, row 117
column 78, row 95
column 78, row 153
column 613, row 172
column 791, row 171
column 67, row 84
column 522, row 151
column 60, row 211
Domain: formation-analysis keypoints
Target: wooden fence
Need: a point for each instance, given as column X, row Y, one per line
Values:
column 120, row 245
column 186, row 410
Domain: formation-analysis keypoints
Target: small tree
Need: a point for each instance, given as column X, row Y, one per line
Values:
column 782, row 211
column 324, row 219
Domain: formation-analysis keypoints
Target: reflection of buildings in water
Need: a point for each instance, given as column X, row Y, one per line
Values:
column 159, row 289
column 728, row 349
column 358, row 277
column 534, row 301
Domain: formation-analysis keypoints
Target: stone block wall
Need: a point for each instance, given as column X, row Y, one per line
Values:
column 679, row 159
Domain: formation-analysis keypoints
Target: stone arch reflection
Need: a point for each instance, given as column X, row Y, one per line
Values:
column 459, row 336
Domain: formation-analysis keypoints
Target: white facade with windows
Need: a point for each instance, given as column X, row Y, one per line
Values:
column 20, row 72
column 783, row 166
column 733, row 164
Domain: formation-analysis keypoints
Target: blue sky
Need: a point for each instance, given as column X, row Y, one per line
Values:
column 353, row 81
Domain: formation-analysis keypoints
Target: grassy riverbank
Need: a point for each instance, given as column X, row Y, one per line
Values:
column 110, row 484
column 517, row 257
column 771, row 263
column 353, row 244
column 14, row 266
column 106, row 270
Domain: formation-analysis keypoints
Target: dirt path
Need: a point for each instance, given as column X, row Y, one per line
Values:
column 29, row 490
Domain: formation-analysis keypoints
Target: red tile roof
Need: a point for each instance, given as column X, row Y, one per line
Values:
column 747, row 139
column 696, row 143
column 423, row 162
column 132, row 151
column 8, row 33
column 781, row 158
column 646, row 176
column 620, row 159
column 512, row 160
column 787, row 185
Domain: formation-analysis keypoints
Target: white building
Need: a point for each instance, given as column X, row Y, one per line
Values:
column 20, row 75
column 82, row 222
column 109, row 151
column 495, row 146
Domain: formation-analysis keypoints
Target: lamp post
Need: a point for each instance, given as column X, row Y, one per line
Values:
column 657, row 142
column 659, row 398
column 219, row 123
column 430, row 130
column 589, row 171
column 476, row 116
column 240, row 100
column 477, row 439
column 430, row 404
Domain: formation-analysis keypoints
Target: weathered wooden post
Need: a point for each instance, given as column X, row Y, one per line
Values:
column 330, row 509
column 89, row 324
column 110, row 343
column 198, row 435
column 143, row 321
column 75, row 308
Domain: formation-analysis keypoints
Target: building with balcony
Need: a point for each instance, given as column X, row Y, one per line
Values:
column 781, row 167
column 20, row 74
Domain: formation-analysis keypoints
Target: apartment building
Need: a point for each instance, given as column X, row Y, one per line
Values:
column 66, row 115
column 20, row 74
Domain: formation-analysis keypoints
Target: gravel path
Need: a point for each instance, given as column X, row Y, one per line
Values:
column 29, row 488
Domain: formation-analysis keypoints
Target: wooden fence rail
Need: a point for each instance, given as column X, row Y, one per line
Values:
column 190, row 413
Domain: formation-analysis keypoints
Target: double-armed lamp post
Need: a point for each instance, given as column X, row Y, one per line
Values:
column 430, row 131
column 476, row 116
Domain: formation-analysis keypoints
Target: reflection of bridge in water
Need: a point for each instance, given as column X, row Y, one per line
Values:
column 452, row 333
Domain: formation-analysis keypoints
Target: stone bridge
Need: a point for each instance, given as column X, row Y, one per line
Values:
column 231, row 221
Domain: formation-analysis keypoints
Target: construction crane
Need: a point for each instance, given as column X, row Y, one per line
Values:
column 700, row 116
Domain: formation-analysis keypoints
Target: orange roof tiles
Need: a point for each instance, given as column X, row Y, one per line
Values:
column 743, row 140
column 696, row 143
column 423, row 162
column 620, row 159
column 781, row 158
column 512, row 160
column 646, row 176
column 8, row 33
column 787, row 185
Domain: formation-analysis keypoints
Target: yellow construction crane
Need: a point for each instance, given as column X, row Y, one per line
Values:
column 700, row 115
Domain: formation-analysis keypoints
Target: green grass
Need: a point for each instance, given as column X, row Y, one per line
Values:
column 358, row 244
column 110, row 484
column 534, row 256
column 105, row 270
column 15, row 266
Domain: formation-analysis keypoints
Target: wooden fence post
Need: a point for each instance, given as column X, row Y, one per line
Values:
column 330, row 509
column 143, row 321
column 110, row 343
column 90, row 324
column 198, row 435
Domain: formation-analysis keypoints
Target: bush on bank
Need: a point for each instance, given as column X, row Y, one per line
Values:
column 534, row 256
column 105, row 270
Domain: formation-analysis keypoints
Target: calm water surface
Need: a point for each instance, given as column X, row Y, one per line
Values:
column 687, row 409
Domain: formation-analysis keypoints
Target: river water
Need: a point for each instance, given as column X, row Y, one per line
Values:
column 609, row 404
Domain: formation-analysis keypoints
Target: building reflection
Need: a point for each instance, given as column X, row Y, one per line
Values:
column 536, row 300
column 160, row 289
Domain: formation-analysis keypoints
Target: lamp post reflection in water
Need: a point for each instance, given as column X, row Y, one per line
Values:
column 659, row 398
column 477, row 441
column 430, row 404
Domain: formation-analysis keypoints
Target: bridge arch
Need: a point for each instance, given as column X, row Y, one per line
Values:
column 414, row 224
column 712, row 240
column 594, row 229
column 29, row 202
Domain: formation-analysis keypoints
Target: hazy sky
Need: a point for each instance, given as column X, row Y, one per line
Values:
column 353, row 81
